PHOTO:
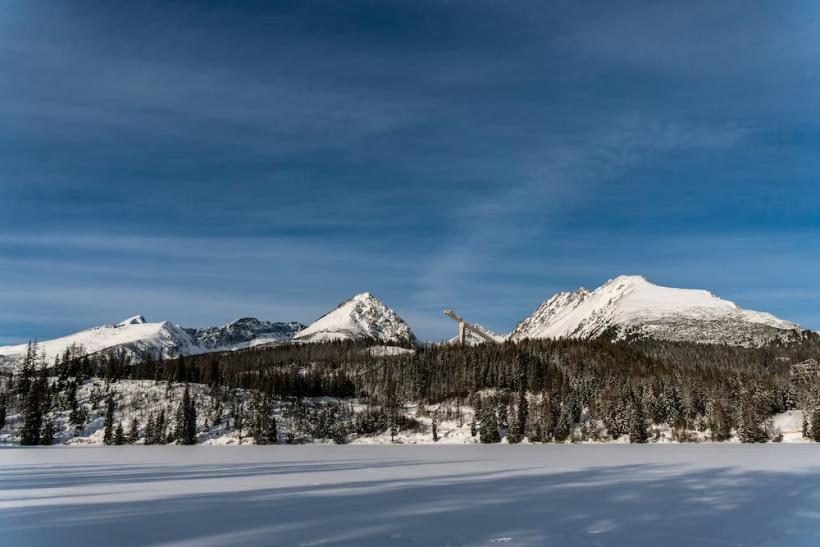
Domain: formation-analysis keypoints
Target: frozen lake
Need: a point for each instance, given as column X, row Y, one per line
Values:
column 650, row 495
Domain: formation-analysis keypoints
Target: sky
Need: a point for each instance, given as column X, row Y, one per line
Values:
column 197, row 162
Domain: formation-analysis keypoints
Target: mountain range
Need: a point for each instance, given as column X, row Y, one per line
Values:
column 623, row 308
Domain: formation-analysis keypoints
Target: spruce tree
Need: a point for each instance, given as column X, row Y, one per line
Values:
column 119, row 435
column 488, row 430
column 563, row 426
column 33, row 413
column 814, row 428
column 638, row 432
column 434, row 426
column 186, row 420
column 150, row 430
column 2, row 410
column 133, row 433
column 47, row 434
column 108, row 433
column 522, row 414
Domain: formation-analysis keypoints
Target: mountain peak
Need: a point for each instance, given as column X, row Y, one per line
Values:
column 362, row 317
column 630, row 306
column 134, row 320
column 628, row 280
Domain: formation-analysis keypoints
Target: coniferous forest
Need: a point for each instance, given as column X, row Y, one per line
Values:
column 533, row 391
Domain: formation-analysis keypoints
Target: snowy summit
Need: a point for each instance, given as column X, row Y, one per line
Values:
column 363, row 317
column 630, row 307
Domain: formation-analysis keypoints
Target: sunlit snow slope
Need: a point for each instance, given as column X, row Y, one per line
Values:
column 133, row 335
column 630, row 307
column 363, row 317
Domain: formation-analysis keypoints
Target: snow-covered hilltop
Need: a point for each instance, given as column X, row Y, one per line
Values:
column 134, row 336
column 630, row 307
column 363, row 317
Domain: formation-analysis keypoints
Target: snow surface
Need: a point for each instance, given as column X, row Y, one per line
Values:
column 632, row 306
column 586, row 495
column 363, row 317
column 388, row 351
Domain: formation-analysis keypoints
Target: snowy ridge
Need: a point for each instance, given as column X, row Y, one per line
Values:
column 245, row 332
column 134, row 335
column 363, row 317
column 138, row 338
column 629, row 307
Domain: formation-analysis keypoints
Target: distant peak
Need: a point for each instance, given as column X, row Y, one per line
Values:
column 363, row 296
column 135, row 320
column 628, row 280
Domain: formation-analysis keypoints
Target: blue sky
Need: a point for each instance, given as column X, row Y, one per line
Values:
column 198, row 162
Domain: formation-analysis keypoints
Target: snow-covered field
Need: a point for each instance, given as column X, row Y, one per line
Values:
column 649, row 495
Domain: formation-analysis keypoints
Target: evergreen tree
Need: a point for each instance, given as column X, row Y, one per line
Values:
column 133, row 431
column 435, row 429
column 47, row 434
column 33, row 404
column 563, row 426
column 638, row 432
column 750, row 428
column 119, row 435
column 264, row 423
column 2, row 410
column 814, row 428
column 186, row 420
column 150, row 430
column 488, row 430
column 160, row 427
column 108, row 433
column 503, row 421
column 522, row 414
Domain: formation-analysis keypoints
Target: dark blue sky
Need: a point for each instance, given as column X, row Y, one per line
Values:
column 199, row 162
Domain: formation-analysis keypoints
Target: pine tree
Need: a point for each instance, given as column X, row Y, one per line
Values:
column 563, row 426
column 159, row 428
column 119, row 435
column 512, row 431
column 435, row 429
column 522, row 414
column 2, row 410
column 814, row 428
column 150, row 430
column 638, row 432
column 750, row 428
column 108, row 433
column 186, row 420
column 264, row 424
column 503, row 421
column 47, row 434
column 488, row 430
column 33, row 404
column 133, row 432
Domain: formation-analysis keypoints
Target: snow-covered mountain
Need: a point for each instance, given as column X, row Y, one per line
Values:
column 139, row 338
column 244, row 332
column 363, row 317
column 134, row 336
column 630, row 307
